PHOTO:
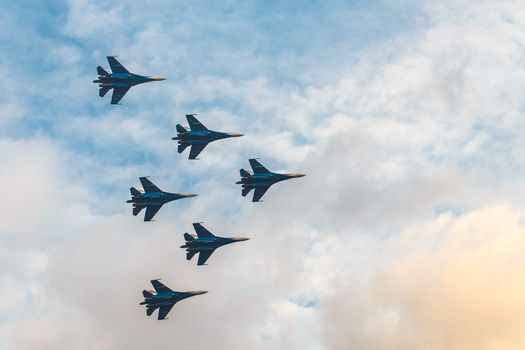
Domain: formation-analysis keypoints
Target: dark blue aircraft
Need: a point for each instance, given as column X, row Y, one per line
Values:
column 198, row 136
column 205, row 243
column 153, row 198
column 163, row 298
column 260, row 180
column 120, row 80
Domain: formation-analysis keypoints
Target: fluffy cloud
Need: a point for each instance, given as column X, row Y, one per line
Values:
column 448, row 283
column 399, row 133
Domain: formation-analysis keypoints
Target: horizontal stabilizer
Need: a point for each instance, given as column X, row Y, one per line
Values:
column 190, row 254
column 246, row 190
column 188, row 237
column 244, row 173
column 147, row 294
column 103, row 91
column 150, row 310
column 102, row 71
column 134, row 191
column 136, row 210
column 181, row 129
column 182, row 147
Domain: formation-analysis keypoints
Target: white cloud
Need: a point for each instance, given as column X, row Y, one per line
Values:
column 449, row 283
column 354, row 254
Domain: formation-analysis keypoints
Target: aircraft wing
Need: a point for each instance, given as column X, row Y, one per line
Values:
column 160, row 287
column 116, row 66
column 201, row 231
column 196, row 148
column 148, row 186
column 164, row 310
column 204, row 255
column 151, row 210
column 257, row 167
column 259, row 192
column 194, row 123
column 118, row 93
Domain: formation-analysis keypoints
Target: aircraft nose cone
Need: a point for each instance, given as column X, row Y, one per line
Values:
column 240, row 239
column 199, row 292
column 187, row 195
column 157, row 78
column 234, row 134
column 297, row 175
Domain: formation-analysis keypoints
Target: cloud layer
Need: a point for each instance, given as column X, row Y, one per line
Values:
column 405, row 234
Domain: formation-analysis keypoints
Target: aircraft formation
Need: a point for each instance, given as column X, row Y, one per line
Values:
column 152, row 198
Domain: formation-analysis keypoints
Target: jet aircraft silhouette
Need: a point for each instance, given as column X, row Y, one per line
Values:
column 205, row 243
column 120, row 80
column 153, row 198
column 163, row 298
column 198, row 136
column 260, row 180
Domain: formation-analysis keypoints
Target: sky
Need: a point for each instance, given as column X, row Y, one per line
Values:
column 406, row 116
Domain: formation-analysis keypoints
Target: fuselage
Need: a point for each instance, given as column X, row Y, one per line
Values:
column 203, row 136
column 265, row 179
column 157, row 198
column 207, row 243
column 123, row 80
column 169, row 298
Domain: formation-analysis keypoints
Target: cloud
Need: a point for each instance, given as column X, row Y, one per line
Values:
column 406, row 118
column 448, row 283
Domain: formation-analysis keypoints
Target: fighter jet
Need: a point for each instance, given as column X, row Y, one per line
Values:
column 120, row 80
column 163, row 298
column 205, row 243
column 260, row 180
column 153, row 198
column 198, row 136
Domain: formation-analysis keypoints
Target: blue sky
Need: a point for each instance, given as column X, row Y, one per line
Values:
column 406, row 116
